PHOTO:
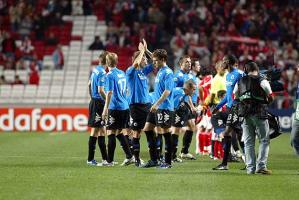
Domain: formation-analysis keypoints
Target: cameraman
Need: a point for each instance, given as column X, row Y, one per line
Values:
column 254, row 93
column 295, row 127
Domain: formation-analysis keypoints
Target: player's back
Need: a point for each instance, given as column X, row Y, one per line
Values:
column 97, row 79
column 116, row 82
column 178, row 96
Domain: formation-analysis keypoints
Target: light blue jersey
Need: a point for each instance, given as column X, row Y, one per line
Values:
column 138, row 84
column 231, row 80
column 181, row 77
column 97, row 79
column 164, row 81
column 116, row 82
column 152, row 97
column 178, row 96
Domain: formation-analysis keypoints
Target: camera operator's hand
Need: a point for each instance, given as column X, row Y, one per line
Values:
column 214, row 111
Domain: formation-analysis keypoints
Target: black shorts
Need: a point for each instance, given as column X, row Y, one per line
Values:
column 138, row 115
column 151, row 118
column 96, row 107
column 164, row 118
column 181, row 116
column 233, row 119
column 118, row 119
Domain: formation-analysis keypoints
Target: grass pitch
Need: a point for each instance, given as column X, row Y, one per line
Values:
column 53, row 166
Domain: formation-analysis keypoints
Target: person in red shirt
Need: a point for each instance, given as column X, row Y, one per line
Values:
column 33, row 74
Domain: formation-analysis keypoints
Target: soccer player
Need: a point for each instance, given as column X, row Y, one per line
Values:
column 182, row 112
column 181, row 77
column 140, row 102
column 161, row 112
column 233, row 122
column 116, row 110
column 217, row 85
column 96, row 105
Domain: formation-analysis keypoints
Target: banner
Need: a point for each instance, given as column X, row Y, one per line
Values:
column 76, row 119
column 43, row 119
column 285, row 118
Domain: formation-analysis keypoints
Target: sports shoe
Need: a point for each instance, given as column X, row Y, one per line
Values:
column 139, row 162
column 211, row 156
column 165, row 166
column 264, row 171
column 150, row 163
column 128, row 161
column 177, row 160
column 239, row 154
column 187, row 156
column 221, row 167
column 92, row 163
column 105, row 163
column 233, row 159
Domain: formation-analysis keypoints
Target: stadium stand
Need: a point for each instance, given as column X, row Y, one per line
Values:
column 235, row 26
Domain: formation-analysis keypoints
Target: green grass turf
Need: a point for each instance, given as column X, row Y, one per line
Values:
column 53, row 166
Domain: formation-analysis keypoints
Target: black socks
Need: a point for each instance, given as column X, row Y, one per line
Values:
column 91, row 147
column 151, row 141
column 175, row 141
column 136, row 147
column 102, row 146
column 187, row 139
column 111, row 147
column 227, row 142
column 124, row 145
column 159, row 144
column 168, row 148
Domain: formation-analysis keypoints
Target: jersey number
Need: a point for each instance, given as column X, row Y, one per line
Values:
column 122, row 85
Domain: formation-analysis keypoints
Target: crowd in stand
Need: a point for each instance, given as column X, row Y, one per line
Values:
column 265, row 31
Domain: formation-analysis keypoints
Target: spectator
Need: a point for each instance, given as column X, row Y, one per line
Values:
column 290, row 54
column 77, row 7
column 14, row 17
column 8, row 45
column 10, row 63
column 97, row 44
column 3, row 80
column 58, row 57
column 124, row 39
column 18, row 81
column 57, row 20
column 33, row 74
column 39, row 27
column 26, row 49
column 25, row 26
column 52, row 39
column 87, row 7
column 22, row 64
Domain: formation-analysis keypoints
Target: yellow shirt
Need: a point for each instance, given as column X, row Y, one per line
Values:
column 218, row 83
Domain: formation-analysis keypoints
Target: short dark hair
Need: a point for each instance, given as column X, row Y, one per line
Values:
column 161, row 54
column 230, row 60
column 102, row 57
column 251, row 66
column 182, row 58
column 190, row 83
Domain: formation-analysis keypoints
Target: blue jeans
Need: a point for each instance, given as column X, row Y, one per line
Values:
column 295, row 136
column 252, row 127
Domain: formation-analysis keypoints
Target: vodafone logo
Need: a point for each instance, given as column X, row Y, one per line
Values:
column 47, row 119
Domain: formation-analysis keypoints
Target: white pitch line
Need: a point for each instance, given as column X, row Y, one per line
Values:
column 41, row 156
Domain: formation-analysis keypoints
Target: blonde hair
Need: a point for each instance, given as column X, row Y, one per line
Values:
column 111, row 59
